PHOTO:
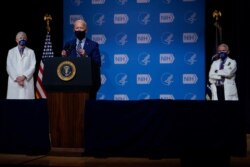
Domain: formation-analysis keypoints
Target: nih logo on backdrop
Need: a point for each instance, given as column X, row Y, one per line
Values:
column 121, row 97
column 143, row 79
column 166, row 17
column 121, row 59
column 103, row 79
column 99, row 38
column 166, row 58
column 189, row 78
column 97, row 2
column 143, row 38
column 167, row 96
column 190, row 37
column 121, row 18
column 142, row 1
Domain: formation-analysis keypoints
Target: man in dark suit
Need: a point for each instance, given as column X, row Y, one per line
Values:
column 81, row 46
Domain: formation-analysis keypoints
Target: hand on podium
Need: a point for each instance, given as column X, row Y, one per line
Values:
column 64, row 53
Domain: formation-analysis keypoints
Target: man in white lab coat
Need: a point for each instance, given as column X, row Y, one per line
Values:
column 21, row 64
column 222, row 75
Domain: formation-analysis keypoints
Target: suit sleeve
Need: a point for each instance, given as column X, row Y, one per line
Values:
column 96, row 56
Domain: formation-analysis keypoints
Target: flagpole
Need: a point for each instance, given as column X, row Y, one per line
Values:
column 47, row 53
column 218, row 30
column 218, row 39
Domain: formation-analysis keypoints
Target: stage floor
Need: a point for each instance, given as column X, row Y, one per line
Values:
column 69, row 161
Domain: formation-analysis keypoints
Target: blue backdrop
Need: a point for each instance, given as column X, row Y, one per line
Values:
column 150, row 49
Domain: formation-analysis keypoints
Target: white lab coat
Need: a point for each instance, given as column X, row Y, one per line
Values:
column 18, row 65
column 229, row 73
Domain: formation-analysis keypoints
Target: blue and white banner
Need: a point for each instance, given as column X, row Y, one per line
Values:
column 151, row 49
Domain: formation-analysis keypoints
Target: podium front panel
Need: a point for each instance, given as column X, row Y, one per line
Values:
column 67, row 74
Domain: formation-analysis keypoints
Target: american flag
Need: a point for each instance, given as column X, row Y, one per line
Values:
column 47, row 53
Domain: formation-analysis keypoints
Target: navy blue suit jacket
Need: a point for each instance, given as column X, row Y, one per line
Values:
column 92, row 50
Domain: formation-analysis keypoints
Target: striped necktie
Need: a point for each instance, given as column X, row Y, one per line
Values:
column 78, row 47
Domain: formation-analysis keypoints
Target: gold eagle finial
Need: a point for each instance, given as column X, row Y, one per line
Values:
column 216, row 15
column 47, row 18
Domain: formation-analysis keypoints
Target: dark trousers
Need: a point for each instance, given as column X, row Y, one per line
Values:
column 220, row 92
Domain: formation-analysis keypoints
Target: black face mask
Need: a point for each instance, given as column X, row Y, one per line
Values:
column 80, row 34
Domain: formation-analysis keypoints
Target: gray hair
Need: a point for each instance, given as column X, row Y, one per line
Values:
column 20, row 34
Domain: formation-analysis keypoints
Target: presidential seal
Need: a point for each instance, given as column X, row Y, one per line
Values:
column 66, row 70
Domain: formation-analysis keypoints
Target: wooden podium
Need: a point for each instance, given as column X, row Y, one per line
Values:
column 67, row 81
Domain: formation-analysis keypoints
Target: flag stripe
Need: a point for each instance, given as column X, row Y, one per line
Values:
column 47, row 53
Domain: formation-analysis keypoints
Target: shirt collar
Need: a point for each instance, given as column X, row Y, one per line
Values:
column 83, row 40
